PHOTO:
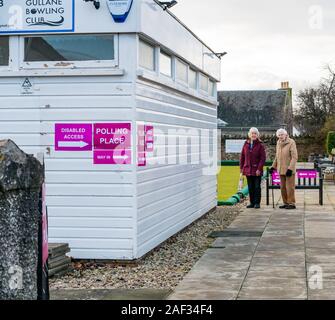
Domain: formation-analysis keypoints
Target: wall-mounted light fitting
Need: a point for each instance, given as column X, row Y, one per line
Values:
column 217, row 54
column 96, row 3
column 167, row 4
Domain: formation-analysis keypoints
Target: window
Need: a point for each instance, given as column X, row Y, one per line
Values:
column 193, row 79
column 181, row 71
column 165, row 63
column 203, row 83
column 211, row 88
column 4, row 51
column 147, row 56
column 69, row 48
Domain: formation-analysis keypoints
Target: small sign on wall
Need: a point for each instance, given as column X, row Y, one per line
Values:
column 145, row 143
column 112, row 143
column 234, row 146
column 73, row 137
column 30, row 16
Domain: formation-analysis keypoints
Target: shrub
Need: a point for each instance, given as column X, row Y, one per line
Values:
column 330, row 144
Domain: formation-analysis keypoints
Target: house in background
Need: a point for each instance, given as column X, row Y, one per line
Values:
column 267, row 110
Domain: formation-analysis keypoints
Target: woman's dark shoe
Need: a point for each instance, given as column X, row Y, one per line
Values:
column 283, row 206
column 291, row 207
column 257, row 206
column 250, row 206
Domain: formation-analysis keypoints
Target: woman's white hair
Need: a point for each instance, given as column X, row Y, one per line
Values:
column 281, row 131
column 253, row 130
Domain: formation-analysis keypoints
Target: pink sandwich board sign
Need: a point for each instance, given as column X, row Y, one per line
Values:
column 73, row 137
column 112, row 143
column 275, row 178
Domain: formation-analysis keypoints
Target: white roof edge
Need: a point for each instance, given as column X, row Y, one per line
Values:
column 187, row 28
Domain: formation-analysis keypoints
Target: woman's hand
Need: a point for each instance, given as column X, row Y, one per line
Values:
column 258, row 173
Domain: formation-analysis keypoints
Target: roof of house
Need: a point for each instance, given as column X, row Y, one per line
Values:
column 252, row 107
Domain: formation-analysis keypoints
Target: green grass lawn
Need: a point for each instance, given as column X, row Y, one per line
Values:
column 228, row 179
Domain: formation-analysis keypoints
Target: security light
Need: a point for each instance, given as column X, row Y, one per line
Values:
column 167, row 4
column 96, row 3
column 218, row 54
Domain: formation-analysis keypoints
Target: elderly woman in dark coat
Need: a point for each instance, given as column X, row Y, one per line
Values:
column 252, row 161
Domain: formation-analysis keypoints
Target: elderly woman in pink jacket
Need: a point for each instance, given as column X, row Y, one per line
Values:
column 252, row 161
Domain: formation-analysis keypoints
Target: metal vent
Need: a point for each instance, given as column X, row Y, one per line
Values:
column 236, row 233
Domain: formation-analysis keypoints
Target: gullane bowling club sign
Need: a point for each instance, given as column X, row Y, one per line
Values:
column 26, row 16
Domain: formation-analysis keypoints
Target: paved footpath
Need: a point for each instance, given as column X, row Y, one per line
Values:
column 273, row 255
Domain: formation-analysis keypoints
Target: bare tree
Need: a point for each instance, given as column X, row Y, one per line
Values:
column 316, row 105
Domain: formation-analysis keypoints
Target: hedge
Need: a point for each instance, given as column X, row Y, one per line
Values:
column 330, row 143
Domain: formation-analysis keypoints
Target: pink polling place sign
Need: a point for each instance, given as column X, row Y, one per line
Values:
column 112, row 143
column 73, row 137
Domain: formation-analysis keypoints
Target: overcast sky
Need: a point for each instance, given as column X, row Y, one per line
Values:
column 267, row 41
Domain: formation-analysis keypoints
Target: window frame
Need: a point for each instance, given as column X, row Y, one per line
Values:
column 68, row 64
column 163, row 52
column 185, row 83
column 200, row 88
column 196, row 78
column 9, row 65
column 154, row 47
column 213, row 92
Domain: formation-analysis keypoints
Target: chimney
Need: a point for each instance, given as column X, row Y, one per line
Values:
column 285, row 85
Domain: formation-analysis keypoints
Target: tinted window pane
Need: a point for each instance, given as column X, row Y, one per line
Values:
column 203, row 83
column 69, row 48
column 4, row 51
column 165, row 64
column 182, row 70
column 211, row 88
column 193, row 79
column 147, row 56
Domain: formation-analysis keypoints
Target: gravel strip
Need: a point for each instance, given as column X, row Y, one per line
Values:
column 163, row 268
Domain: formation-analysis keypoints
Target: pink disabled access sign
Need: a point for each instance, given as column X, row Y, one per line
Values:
column 73, row 137
column 112, row 143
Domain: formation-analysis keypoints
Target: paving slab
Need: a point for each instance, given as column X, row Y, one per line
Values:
column 294, row 251
column 110, row 294
column 279, row 272
column 273, row 293
column 201, row 294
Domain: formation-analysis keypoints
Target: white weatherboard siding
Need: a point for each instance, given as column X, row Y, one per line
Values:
column 170, row 197
column 116, row 211
column 90, row 207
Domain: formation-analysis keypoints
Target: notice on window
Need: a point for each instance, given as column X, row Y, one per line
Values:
column 31, row 16
column 234, row 146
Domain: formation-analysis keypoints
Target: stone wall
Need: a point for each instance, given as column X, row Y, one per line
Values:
column 21, row 177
